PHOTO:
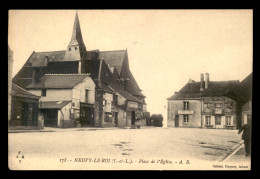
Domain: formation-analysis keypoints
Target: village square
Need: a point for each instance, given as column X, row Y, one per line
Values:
column 78, row 105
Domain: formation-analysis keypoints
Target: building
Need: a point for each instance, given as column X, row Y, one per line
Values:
column 65, row 99
column 203, row 104
column 118, row 98
column 243, row 94
column 24, row 107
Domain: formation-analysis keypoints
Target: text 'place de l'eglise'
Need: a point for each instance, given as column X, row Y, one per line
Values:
column 77, row 87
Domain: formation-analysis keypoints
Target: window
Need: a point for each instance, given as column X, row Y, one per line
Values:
column 86, row 96
column 186, row 105
column 206, row 105
column 230, row 105
column 208, row 120
column 75, row 48
column 43, row 92
column 228, row 121
column 218, row 105
column 115, row 99
column 218, row 120
column 185, row 118
column 69, row 49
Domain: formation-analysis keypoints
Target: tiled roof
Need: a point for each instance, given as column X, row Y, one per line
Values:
column 244, row 89
column 53, row 104
column 215, row 88
column 18, row 91
column 61, row 81
column 114, row 58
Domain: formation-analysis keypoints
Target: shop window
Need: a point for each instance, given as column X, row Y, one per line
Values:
column 186, row 105
column 186, row 118
column 43, row 92
column 208, row 120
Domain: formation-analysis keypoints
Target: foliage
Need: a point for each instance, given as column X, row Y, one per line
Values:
column 156, row 120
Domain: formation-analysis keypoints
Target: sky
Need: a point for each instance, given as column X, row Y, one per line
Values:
column 166, row 48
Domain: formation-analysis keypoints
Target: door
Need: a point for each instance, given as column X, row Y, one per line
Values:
column 116, row 119
column 133, row 118
column 176, row 120
column 218, row 121
column 51, row 118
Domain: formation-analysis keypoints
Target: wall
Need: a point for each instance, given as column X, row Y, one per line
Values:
column 53, row 94
column 121, row 118
column 88, row 84
column 194, row 119
column 64, row 116
column 246, row 110
column 227, row 110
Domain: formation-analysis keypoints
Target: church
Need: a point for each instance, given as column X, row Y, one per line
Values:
column 83, row 87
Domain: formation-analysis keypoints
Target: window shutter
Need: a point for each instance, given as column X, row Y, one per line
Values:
column 203, row 120
column 212, row 120
column 222, row 120
column 231, row 120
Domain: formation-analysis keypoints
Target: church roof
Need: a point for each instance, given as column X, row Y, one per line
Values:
column 114, row 58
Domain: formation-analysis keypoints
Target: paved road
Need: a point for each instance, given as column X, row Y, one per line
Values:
column 45, row 149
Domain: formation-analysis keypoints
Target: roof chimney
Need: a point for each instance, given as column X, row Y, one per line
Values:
column 206, row 80
column 35, row 75
column 201, row 82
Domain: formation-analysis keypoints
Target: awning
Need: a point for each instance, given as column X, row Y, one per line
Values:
column 52, row 104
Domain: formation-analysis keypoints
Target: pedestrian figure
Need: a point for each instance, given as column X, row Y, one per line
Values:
column 246, row 136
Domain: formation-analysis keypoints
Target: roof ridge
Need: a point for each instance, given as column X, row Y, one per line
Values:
column 51, row 51
column 112, row 50
column 68, row 74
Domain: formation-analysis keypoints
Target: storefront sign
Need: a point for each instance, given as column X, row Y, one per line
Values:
column 185, row 112
column 131, row 104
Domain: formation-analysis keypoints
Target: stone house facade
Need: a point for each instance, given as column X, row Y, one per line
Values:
column 203, row 104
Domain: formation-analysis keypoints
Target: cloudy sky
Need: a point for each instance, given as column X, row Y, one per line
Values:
column 165, row 47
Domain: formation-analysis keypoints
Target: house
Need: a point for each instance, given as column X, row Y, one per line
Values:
column 118, row 98
column 203, row 104
column 24, row 107
column 243, row 94
column 65, row 98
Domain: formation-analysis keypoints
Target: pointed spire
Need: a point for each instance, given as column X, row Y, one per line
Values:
column 76, row 38
column 76, row 48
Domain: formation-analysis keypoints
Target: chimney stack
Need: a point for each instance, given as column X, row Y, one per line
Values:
column 35, row 75
column 206, row 80
column 201, row 82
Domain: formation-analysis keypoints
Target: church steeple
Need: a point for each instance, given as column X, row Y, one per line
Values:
column 76, row 49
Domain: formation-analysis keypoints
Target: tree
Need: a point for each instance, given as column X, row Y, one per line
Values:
column 156, row 120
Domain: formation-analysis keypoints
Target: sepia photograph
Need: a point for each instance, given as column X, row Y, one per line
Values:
column 130, row 89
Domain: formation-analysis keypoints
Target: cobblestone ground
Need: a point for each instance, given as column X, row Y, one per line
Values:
column 45, row 149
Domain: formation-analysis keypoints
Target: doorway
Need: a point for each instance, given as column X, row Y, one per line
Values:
column 176, row 120
column 51, row 118
column 133, row 118
column 116, row 119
